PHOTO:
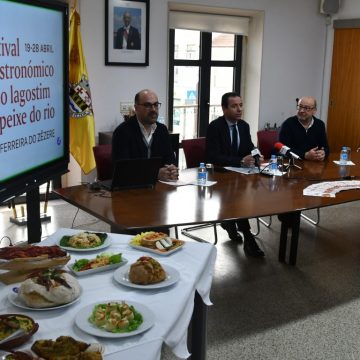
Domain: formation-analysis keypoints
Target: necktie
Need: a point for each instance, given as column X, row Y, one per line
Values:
column 126, row 34
column 234, row 141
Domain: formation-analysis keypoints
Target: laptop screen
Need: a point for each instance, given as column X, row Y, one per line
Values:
column 134, row 173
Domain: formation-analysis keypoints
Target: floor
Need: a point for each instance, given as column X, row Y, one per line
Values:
column 264, row 309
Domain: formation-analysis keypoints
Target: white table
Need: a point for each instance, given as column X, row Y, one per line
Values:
column 173, row 306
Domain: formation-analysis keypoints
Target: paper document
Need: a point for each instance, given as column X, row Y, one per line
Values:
column 349, row 162
column 330, row 188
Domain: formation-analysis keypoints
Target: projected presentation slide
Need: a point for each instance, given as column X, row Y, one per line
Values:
column 31, row 88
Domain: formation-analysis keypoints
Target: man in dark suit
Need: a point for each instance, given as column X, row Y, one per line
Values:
column 228, row 143
column 127, row 36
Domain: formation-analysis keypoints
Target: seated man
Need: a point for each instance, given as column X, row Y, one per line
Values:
column 304, row 133
column 142, row 136
column 228, row 143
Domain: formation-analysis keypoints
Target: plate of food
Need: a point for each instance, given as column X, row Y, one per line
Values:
column 102, row 262
column 115, row 319
column 23, row 260
column 147, row 273
column 16, row 329
column 66, row 347
column 156, row 242
column 85, row 241
column 46, row 290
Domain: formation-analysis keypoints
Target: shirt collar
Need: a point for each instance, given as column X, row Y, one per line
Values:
column 143, row 130
column 310, row 125
column 230, row 123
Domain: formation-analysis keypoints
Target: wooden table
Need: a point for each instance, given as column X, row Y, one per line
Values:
column 234, row 196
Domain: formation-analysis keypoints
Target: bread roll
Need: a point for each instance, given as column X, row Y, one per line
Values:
column 36, row 295
column 146, row 270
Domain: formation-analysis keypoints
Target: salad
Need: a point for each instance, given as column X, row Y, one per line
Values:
column 100, row 260
column 116, row 317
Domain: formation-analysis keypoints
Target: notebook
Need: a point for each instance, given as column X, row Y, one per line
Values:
column 133, row 173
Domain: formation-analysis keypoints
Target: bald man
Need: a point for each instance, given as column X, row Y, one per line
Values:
column 142, row 136
column 304, row 133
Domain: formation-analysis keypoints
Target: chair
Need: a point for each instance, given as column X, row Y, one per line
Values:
column 103, row 161
column 194, row 152
column 266, row 141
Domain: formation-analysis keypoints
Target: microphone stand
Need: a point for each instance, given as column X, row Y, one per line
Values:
column 291, row 164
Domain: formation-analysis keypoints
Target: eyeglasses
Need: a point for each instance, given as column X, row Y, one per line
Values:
column 149, row 106
column 306, row 108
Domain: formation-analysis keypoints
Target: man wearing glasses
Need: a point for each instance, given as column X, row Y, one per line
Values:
column 304, row 133
column 143, row 137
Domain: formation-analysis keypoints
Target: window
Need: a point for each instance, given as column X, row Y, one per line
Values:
column 202, row 67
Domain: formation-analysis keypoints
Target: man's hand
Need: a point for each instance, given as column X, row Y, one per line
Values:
column 315, row 154
column 248, row 161
column 168, row 172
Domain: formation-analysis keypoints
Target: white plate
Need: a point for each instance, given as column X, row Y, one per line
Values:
column 122, row 277
column 104, row 245
column 81, row 320
column 98, row 269
column 158, row 252
column 13, row 297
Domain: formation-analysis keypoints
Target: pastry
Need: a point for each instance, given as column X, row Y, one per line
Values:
column 146, row 270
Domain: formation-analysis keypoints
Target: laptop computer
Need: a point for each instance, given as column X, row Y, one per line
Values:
column 133, row 173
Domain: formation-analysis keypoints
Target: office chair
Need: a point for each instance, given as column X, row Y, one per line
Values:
column 266, row 140
column 103, row 161
column 194, row 151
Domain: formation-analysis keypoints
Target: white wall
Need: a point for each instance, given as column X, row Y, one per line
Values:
column 292, row 63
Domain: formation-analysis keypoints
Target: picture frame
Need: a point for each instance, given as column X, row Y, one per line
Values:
column 127, row 32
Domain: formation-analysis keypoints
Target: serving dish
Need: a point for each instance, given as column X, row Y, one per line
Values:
column 83, row 323
column 98, row 269
column 25, row 323
column 14, row 298
column 177, row 245
column 105, row 242
column 122, row 277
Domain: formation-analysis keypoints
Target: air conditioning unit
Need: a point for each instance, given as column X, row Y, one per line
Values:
column 329, row 7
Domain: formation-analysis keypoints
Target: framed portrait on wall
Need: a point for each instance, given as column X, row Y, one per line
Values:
column 127, row 32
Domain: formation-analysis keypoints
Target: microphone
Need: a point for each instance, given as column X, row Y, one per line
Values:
column 286, row 151
column 255, row 153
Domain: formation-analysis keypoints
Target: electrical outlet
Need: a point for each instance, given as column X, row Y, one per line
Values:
column 125, row 107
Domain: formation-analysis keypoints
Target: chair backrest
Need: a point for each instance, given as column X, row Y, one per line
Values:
column 266, row 140
column 103, row 160
column 194, row 151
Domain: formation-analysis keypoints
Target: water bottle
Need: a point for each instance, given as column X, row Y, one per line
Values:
column 202, row 174
column 273, row 163
column 343, row 156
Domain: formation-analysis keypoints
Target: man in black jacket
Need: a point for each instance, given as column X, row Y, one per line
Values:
column 127, row 36
column 228, row 143
column 304, row 133
column 142, row 136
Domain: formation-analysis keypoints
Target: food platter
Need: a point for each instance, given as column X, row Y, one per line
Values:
column 82, row 322
column 98, row 269
column 106, row 243
column 122, row 277
column 178, row 244
column 13, row 297
column 26, row 323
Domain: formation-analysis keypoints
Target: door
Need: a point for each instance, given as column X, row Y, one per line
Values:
column 343, row 125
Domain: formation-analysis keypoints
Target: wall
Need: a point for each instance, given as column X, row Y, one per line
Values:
column 296, row 58
column 292, row 62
